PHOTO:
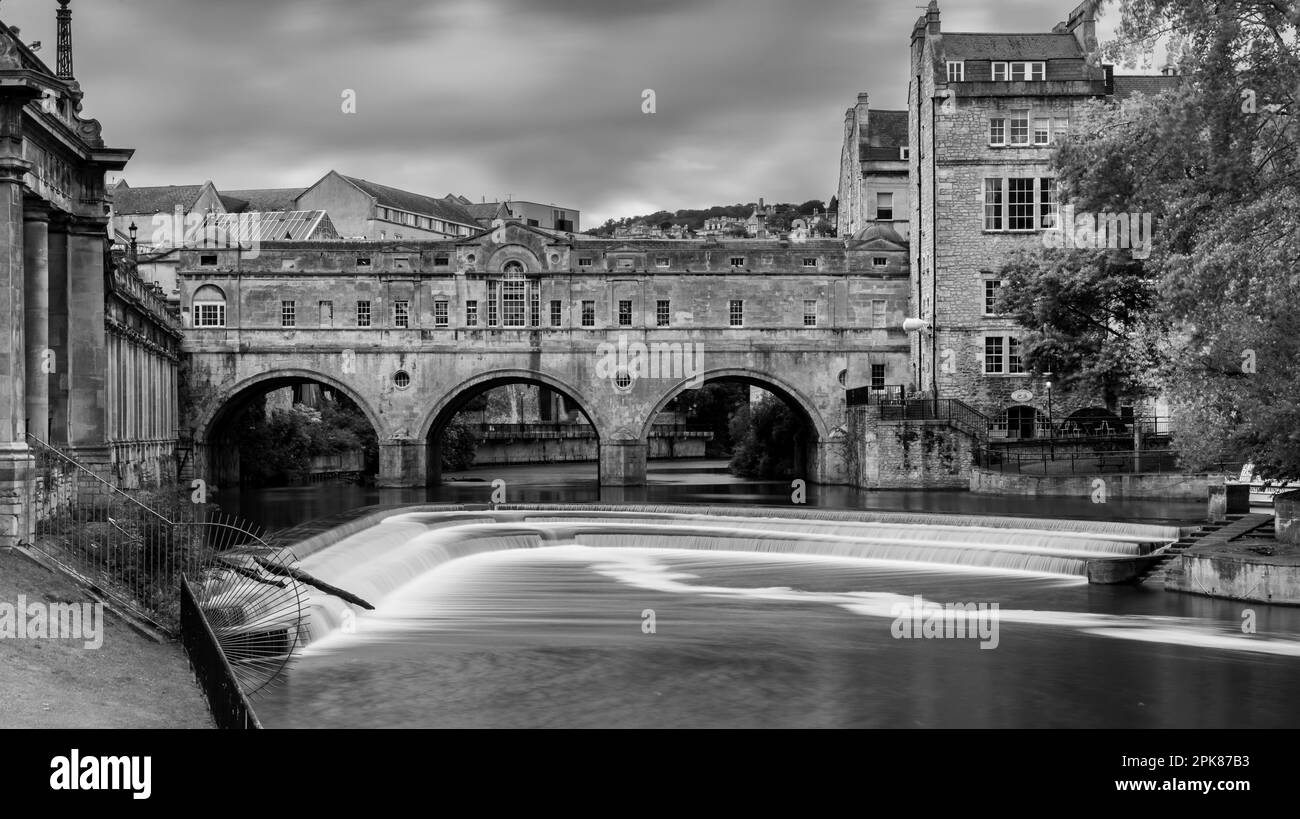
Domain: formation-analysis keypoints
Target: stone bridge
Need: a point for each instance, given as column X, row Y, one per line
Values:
column 411, row 332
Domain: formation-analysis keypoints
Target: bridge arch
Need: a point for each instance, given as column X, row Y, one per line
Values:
column 226, row 401
column 779, row 387
column 455, row 398
column 216, row 452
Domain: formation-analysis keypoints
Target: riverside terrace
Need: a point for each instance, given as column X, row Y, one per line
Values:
column 412, row 331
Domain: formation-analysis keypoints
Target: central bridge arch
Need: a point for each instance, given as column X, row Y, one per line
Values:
column 455, row 398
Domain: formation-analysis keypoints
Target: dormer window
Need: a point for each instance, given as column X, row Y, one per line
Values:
column 1019, row 71
column 956, row 71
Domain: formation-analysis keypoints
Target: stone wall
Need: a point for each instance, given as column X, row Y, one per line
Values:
column 906, row 455
column 1115, row 486
column 1286, row 509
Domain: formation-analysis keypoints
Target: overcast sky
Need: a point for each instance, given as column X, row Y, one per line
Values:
column 539, row 99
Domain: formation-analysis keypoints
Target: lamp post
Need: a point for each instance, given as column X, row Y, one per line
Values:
column 133, row 230
column 1051, row 429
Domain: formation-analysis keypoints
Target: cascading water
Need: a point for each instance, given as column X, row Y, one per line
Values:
column 377, row 561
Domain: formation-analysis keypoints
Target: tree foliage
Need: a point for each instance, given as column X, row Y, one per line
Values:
column 766, row 435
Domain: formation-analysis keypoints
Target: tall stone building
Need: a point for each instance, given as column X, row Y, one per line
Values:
column 873, row 187
column 87, row 349
column 985, row 113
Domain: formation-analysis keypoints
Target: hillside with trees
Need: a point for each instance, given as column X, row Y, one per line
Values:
column 783, row 215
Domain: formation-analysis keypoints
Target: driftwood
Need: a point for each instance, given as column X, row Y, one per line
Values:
column 249, row 573
column 303, row 577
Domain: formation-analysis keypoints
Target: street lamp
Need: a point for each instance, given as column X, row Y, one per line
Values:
column 1051, row 429
column 132, row 229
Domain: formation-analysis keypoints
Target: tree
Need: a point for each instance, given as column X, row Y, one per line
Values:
column 764, row 435
column 1087, row 317
column 811, row 205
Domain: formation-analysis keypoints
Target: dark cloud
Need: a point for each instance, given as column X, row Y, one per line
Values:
column 536, row 98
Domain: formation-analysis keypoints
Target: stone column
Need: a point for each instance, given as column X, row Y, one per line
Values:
column 623, row 462
column 87, row 341
column 402, row 463
column 58, row 329
column 16, row 466
column 36, row 278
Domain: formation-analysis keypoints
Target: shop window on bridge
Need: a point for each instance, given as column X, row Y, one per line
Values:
column 209, row 307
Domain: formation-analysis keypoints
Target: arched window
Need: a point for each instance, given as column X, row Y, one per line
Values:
column 513, row 294
column 209, row 305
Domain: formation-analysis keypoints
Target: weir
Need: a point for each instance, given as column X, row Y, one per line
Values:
column 376, row 561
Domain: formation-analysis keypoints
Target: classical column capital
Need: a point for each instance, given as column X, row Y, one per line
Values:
column 36, row 210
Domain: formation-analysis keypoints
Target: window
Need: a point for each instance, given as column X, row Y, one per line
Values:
column 584, row 263
column 991, row 296
column 904, row 153
column 326, row 313
column 878, row 376
column 494, row 294
column 363, row 314
column 1060, row 128
column 1019, row 127
column 401, row 313
column 661, row 261
column 1014, row 365
column 993, row 204
column 878, row 313
column 364, row 261
column 440, row 261
column 736, row 312
column 471, row 313
column 533, row 223
column 884, row 206
column 287, row 314
column 662, row 314
column 589, row 314
column 1002, row 356
column 810, row 312
column 557, row 313
column 208, row 260
column 1019, row 71
column 737, row 261
column 534, row 306
column 993, row 354
column 209, row 307
column 1049, row 208
column 810, row 261
column 879, row 261
column 956, row 71
column 1028, row 71
column 440, row 313
column 1020, row 203
column 625, row 313
column 1042, row 130
column 513, row 288
column 998, row 131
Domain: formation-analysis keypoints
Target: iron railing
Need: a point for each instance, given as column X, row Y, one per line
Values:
column 131, row 546
column 226, row 699
column 1087, row 461
column 490, row 432
column 862, row 396
column 952, row 410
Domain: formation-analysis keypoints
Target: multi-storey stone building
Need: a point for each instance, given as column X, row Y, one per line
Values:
column 87, row 350
column 873, row 186
column 985, row 113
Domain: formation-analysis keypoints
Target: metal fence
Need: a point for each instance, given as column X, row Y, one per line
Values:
column 862, row 396
column 1086, row 462
column 226, row 699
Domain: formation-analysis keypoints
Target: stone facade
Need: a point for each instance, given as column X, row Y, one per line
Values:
column 448, row 320
column 981, row 143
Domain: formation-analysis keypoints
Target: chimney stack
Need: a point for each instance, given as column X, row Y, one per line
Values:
column 63, row 18
column 932, row 18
